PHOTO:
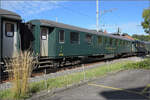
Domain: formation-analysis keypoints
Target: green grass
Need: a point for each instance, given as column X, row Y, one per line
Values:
column 65, row 80
column 145, row 64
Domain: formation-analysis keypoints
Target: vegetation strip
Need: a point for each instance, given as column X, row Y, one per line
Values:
column 66, row 80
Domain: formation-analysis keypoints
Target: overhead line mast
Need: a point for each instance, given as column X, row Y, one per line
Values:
column 0, row 4
column 97, row 15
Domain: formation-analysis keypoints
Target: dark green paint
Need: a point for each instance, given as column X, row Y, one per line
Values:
column 56, row 49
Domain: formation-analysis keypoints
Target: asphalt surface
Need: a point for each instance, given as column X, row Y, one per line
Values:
column 125, row 85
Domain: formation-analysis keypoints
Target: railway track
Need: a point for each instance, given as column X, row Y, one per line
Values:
column 88, row 62
column 47, row 70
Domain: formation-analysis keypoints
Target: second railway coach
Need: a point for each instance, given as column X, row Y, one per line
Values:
column 58, row 41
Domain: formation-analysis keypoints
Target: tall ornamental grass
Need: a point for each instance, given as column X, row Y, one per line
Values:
column 20, row 69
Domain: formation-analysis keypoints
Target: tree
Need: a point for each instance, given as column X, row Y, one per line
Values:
column 141, row 37
column 124, row 34
column 146, row 22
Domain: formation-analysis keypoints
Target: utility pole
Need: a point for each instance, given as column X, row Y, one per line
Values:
column 97, row 16
column 56, row 19
column 0, row 4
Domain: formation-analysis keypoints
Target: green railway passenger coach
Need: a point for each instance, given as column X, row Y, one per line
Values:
column 141, row 47
column 56, row 40
column 147, row 46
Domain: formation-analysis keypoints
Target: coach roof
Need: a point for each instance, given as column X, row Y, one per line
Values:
column 9, row 14
column 44, row 22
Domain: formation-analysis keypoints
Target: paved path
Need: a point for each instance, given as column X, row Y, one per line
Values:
column 127, row 85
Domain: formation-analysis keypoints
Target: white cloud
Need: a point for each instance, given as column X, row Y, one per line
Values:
column 29, row 7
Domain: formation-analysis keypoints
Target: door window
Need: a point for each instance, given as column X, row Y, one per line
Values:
column 88, row 38
column 61, row 36
column 44, row 32
column 9, row 29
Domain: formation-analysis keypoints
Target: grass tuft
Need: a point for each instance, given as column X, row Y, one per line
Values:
column 20, row 69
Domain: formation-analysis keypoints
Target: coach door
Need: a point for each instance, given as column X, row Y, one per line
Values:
column 44, row 41
column 9, row 41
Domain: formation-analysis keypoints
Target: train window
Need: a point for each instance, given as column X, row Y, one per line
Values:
column 99, row 39
column 113, row 42
column 44, row 32
column 127, row 43
column 9, row 30
column 110, row 42
column 124, row 42
column 105, row 40
column 61, row 36
column 121, row 42
column 89, row 38
column 74, row 37
column 116, row 42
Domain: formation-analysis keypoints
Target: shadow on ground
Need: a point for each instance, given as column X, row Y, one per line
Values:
column 118, row 94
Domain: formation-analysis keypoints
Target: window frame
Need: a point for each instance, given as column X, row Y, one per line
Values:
column 105, row 40
column 116, row 42
column 91, row 38
column 110, row 41
column 46, row 33
column 13, row 29
column 75, row 42
column 121, row 42
column 63, row 36
column 101, row 42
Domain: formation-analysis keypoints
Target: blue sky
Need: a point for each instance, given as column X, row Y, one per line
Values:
column 125, row 14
